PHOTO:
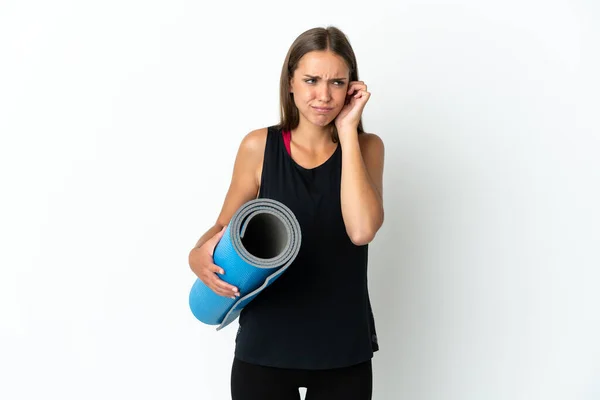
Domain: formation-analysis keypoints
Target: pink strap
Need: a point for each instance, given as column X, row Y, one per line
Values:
column 287, row 138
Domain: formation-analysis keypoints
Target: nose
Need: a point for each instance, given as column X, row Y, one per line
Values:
column 324, row 92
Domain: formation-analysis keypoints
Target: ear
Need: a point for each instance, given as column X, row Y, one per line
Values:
column 291, row 85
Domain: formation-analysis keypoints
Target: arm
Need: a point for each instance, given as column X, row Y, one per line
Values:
column 212, row 231
column 362, row 184
column 247, row 169
column 362, row 169
column 244, row 187
column 244, row 181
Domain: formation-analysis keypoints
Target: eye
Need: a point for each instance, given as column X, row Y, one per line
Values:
column 310, row 80
column 338, row 83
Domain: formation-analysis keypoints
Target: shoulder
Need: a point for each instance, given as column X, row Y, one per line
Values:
column 372, row 144
column 370, row 140
column 252, row 146
column 253, row 143
column 250, row 156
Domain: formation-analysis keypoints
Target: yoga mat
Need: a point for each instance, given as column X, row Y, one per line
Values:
column 261, row 241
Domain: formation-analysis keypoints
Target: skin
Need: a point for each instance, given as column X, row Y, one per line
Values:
column 323, row 94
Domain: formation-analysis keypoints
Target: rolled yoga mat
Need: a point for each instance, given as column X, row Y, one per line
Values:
column 261, row 241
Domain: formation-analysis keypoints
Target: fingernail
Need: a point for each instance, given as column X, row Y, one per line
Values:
column 237, row 295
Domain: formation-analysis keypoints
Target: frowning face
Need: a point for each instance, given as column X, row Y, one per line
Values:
column 319, row 86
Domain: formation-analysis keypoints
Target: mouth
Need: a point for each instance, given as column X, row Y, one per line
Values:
column 322, row 110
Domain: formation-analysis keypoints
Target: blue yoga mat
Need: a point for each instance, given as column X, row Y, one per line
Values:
column 262, row 239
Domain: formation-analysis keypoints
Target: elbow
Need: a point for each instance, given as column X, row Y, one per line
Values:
column 361, row 238
column 365, row 235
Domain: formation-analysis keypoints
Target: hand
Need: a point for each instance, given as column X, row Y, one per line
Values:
column 202, row 264
column 356, row 100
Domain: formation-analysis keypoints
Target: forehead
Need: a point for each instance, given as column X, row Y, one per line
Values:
column 322, row 63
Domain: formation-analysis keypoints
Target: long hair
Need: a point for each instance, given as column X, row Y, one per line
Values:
column 315, row 39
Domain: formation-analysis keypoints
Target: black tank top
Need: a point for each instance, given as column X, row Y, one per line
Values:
column 317, row 315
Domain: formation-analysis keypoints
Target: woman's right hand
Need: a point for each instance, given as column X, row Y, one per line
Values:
column 202, row 264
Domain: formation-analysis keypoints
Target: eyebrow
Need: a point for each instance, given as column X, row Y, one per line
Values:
column 315, row 77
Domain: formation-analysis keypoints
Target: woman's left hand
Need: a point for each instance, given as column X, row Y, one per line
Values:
column 356, row 99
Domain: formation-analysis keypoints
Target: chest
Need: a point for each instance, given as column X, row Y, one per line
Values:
column 313, row 195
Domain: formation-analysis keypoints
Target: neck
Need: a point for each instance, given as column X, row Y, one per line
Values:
column 312, row 136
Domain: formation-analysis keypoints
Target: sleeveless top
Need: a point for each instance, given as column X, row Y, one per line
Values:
column 317, row 315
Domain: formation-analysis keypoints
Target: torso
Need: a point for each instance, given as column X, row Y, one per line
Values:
column 317, row 315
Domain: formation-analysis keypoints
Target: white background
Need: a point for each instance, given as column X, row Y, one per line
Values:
column 120, row 121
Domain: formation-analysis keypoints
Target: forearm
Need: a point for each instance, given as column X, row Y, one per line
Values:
column 362, row 205
column 216, row 228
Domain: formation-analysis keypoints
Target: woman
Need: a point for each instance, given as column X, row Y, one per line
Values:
column 313, row 327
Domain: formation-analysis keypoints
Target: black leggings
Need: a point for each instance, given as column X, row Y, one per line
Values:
column 256, row 382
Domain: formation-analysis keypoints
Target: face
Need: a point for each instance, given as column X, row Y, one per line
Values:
column 319, row 85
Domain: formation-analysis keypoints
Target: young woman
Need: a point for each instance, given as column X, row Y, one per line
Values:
column 314, row 326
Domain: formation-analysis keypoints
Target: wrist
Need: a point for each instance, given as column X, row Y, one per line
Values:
column 345, row 132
